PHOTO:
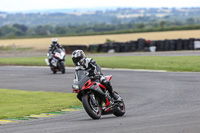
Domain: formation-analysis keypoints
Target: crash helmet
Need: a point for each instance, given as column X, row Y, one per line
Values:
column 54, row 41
column 78, row 57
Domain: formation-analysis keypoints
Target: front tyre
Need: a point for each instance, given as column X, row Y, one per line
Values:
column 62, row 67
column 53, row 69
column 94, row 111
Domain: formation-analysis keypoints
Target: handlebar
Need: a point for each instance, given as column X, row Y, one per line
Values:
column 95, row 77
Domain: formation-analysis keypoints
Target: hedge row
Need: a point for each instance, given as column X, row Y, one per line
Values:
column 139, row 45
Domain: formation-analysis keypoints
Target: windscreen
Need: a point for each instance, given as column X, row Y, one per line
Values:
column 82, row 77
column 81, row 74
column 58, row 50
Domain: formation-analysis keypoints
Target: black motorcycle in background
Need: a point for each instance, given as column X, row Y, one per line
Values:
column 57, row 61
column 95, row 97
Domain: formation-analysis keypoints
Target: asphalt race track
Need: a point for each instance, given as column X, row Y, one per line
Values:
column 156, row 102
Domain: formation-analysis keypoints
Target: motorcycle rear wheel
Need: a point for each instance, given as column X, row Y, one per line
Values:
column 120, row 110
column 93, row 111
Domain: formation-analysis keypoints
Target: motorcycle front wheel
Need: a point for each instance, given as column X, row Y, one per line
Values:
column 62, row 67
column 53, row 70
column 94, row 111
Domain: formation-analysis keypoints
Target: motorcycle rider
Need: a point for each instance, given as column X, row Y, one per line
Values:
column 90, row 65
column 53, row 47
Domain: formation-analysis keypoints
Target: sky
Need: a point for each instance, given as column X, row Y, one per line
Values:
column 25, row 5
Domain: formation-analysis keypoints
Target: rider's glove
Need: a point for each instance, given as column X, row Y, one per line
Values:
column 50, row 55
column 97, row 75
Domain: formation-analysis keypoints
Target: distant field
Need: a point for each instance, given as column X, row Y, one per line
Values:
column 43, row 43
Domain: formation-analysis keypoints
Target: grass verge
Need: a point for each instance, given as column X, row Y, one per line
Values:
column 169, row 63
column 17, row 103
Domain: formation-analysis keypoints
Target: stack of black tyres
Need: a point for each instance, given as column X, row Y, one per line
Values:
column 191, row 44
column 179, row 45
column 172, row 45
column 167, row 45
column 185, row 44
column 160, row 45
column 93, row 48
column 117, row 46
column 141, row 44
column 134, row 45
column 111, row 46
column 105, row 48
column 70, row 48
column 100, row 48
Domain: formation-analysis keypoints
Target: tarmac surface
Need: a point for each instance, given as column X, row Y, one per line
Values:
column 156, row 102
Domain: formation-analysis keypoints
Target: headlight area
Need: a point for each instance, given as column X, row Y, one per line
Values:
column 75, row 88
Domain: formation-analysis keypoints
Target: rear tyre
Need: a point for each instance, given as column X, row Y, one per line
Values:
column 120, row 109
column 93, row 111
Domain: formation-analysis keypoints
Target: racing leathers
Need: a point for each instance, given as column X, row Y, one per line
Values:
column 53, row 47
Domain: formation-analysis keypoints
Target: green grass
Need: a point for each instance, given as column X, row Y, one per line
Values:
column 169, row 63
column 17, row 103
column 11, row 48
column 27, row 61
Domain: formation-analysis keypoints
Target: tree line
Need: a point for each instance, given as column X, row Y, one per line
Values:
column 21, row 30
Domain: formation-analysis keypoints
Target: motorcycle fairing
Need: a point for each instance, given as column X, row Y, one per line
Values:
column 54, row 62
column 109, row 77
column 87, row 85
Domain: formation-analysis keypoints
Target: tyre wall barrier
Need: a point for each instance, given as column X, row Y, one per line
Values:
column 70, row 48
column 139, row 45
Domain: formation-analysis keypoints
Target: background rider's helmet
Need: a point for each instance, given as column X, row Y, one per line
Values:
column 54, row 41
column 78, row 57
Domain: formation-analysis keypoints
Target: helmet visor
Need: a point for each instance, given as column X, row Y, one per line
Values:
column 82, row 61
column 77, row 60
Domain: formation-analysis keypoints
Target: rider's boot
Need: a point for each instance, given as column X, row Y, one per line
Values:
column 110, row 90
column 115, row 96
column 50, row 62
